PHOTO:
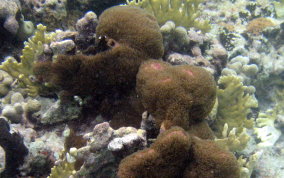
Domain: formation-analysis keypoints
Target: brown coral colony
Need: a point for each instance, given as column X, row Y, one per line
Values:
column 129, row 44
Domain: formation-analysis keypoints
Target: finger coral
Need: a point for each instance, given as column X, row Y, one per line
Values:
column 23, row 70
column 182, row 12
column 234, row 105
column 8, row 13
column 177, row 95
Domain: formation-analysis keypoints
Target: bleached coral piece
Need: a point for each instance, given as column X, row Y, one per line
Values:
column 247, row 164
column 266, row 130
column 230, row 141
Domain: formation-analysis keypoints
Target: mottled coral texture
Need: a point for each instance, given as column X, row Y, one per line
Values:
column 106, row 72
column 177, row 95
column 210, row 161
column 123, row 44
column 176, row 154
column 165, row 158
column 134, row 27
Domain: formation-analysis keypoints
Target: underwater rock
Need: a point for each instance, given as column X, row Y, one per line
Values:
column 102, row 135
column 54, row 112
column 62, row 47
column 5, row 83
column 15, row 150
column 44, row 149
column 179, row 59
column 20, row 109
column 179, row 39
column 95, row 5
column 8, row 12
column 86, row 27
column 51, row 12
column 127, row 141
column 280, row 122
column 13, row 113
column 101, row 160
column 26, row 30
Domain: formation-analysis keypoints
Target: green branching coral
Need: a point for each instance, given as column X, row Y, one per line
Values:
column 231, row 142
column 234, row 105
column 23, row 71
column 182, row 12
column 247, row 164
column 64, row 170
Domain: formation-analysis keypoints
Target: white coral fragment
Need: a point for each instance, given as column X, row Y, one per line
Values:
column 266, row 130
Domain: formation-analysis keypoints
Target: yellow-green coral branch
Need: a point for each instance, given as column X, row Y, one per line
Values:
column 247, row 164
column 23, row 71
column 234, row 104
column 231, row 142
column 182, row 12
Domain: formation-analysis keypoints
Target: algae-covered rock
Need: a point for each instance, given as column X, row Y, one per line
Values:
column 5, row 83
column 53, row 13
column 58, row 112
column 8, row 12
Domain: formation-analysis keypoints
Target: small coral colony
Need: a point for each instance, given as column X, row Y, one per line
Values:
column 148, row 89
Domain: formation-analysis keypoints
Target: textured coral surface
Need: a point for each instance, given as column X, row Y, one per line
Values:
column 177, row 95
